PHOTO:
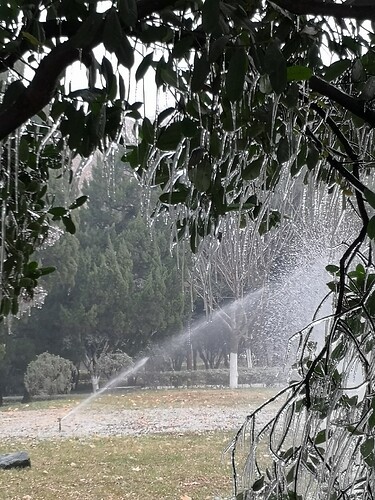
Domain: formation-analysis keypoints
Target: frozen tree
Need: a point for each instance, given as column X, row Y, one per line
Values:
column 258, row 89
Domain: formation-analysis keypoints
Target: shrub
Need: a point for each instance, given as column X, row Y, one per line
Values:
column 113, row 364
column 219, row 377
column 48, row 375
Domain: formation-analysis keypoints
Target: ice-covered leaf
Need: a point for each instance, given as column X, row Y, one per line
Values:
column 170, row 137
column 235, row 78
column 298, row 73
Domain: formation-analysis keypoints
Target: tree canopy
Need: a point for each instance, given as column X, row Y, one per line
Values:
column 266, row 94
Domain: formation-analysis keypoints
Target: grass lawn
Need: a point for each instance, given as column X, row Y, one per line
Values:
column 170, row 467
column 146, row 467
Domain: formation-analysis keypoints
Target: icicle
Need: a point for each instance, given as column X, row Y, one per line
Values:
column 3, row 224
column 16, row 167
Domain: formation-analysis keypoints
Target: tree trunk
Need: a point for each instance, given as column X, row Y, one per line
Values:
column 233, row 361
column 233, row 370
column 26, row 396
column 203, row 358
column 195, row 359
column 189, row 356
column 95, row 382
column 249, row 357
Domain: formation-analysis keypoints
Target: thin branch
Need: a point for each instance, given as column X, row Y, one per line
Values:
column 356, row 106
column 352, row 155
column 325, row 8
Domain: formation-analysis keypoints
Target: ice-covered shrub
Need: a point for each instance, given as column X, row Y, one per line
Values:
column 48, row 375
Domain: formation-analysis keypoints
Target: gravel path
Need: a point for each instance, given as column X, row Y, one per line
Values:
column 41, row 424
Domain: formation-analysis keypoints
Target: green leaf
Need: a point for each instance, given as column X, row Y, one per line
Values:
column 116, row 41
column 57, row 211
column 196, row 156
column 211, row 15
column 200, row 72
column 275, row 66
column 291, row 97
column 154, row 34
column 298, row 73
column 338, row 352
column 253, row 169
column 47, row 270
column 189, row 127
column 108, row 74
column 258, row 485
column 312, row 157
column 367, row 451
column 15, row 306
column 370, row 303
column 332, row 269
column 88, row 95
column 200, row 175
column 278, row 79
column 321, row 437
column 336, row 69
column 78, row 202
column 272, row 57
column 284, row 150
column 12, row 93
column 91, row 28
column 6, row 305
column 215, row 144
column 164, row 115
column 125, row 53
column 370, row 197
column 371, row 420
column 128, row 12
column 147, row 131
column 174, row 197
column 217, row 48
column 183, row 46
column 31, row 38
column 69, row 224
column 23, row 150
column 235, row 77
column 143, row 66
column 170, row 137
column 167, row 74
column 371, row 228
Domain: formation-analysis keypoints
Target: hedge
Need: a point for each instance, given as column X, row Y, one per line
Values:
column 220, row 377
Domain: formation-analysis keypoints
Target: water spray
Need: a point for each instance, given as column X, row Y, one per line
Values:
column 112, row 383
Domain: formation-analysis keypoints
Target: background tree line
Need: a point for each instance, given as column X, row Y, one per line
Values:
column 117, row 287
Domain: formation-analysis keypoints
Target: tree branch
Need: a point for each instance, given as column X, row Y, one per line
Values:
column 324, row 8
column 47, row 76
column 40, row 91
column 356, row 106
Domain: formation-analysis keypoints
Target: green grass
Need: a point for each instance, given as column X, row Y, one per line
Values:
column 165, row 467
